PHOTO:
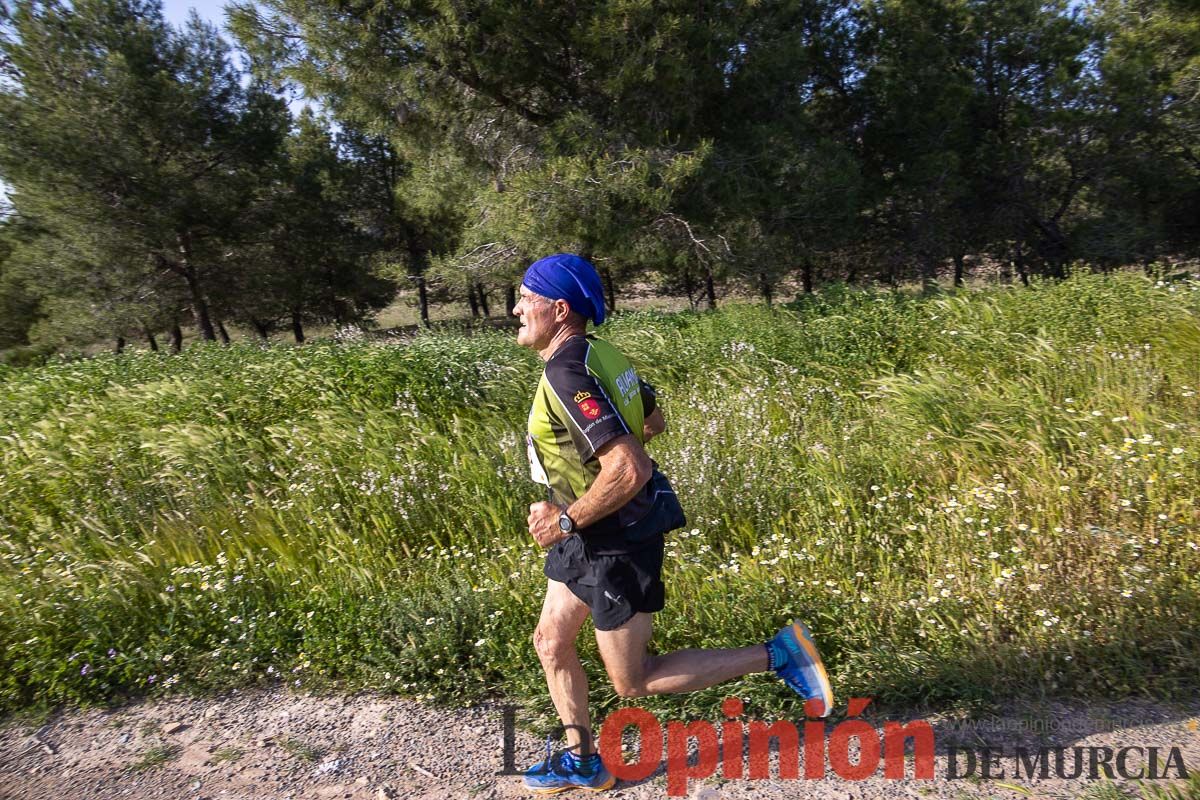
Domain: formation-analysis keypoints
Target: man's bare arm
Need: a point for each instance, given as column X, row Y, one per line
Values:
column 624, row 469
column 653, row 425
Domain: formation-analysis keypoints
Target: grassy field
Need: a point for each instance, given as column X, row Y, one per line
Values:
column 968, row 497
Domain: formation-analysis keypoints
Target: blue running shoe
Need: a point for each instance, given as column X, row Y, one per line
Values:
column 559, row 775
column 795, row 659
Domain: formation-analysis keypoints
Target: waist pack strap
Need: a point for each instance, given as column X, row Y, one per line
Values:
column 665, row 515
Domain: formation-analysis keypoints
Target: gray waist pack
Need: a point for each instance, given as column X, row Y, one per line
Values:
column 665, row 515
column 608, row 539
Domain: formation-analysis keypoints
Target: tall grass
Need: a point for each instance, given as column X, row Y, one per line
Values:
column 967, row 496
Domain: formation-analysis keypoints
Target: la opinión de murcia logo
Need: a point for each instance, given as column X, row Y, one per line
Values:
column 742, row 751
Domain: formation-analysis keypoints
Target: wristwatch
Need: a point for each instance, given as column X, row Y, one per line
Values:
column 566, row 524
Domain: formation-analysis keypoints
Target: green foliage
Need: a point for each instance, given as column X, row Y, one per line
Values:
column 1150, row 70
column 595, row 202
column 300, row 749
column 310, row 261
column 702, row 147
column 226, row 754
column 841, row 138
column 1184, row 790
column 959, row 493
column 132, row 149
column 152, row 184
column 18, row 306
column 156, row 756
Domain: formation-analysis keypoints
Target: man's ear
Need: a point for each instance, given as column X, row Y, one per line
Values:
column 562, row 310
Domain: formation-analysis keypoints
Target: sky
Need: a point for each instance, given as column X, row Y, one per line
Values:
column 176, row 11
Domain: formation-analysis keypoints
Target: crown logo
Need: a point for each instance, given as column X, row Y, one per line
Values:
column 581, row 396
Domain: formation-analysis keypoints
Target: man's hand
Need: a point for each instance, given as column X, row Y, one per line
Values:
column 653, row 425
column 543, row 524
column 624, row 470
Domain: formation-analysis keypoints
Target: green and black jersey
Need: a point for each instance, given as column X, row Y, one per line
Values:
column 588, row 395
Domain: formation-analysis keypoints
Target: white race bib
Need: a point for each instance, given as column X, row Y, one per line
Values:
column 536, row 471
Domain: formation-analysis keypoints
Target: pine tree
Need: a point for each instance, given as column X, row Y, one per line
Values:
column 134, row 145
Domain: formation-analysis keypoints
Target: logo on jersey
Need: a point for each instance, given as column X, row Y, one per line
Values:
column 588, row 405
column 627, row 385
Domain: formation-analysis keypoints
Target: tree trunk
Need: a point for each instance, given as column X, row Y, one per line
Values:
column 419, row 259
column 200, row 310
column 483, row 301
column 297, row 328
column 510, row 299
column 806, row 275
column 472, row 301
column 610, row 291
column 150, row 340
column 889, row 274
column 120, row 346
column 176, row 338
column 423, row 300
column 764, row 287
column 710, row 289
column 960, row 269
column 199, row 304
column 260, row 328
column 689, row 286
column 1019, row 263
column 224, row 334
column 929, row 267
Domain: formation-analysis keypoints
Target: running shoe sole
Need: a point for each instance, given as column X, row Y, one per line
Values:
column 611, row 782
column 804, row 639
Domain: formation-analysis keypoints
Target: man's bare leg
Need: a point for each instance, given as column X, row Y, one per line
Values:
column 562, row 616
column 635, row 673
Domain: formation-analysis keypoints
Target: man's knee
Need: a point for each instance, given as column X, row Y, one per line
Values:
column 630, row 689
column 551, row 647
column 631, row 686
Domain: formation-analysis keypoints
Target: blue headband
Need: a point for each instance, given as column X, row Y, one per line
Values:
column 565, row 276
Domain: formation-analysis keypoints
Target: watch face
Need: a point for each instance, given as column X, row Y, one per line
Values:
column 564, row 524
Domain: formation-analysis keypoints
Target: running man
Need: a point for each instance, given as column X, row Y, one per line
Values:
column 603, row 526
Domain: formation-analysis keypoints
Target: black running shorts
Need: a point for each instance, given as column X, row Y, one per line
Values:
column 615, row 587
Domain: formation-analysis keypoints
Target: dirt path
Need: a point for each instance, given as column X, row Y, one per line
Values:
column 274, row 744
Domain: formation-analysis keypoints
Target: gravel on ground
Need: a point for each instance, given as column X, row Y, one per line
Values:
column 283, row 745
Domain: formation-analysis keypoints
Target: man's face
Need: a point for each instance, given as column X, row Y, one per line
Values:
column 537, row 315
